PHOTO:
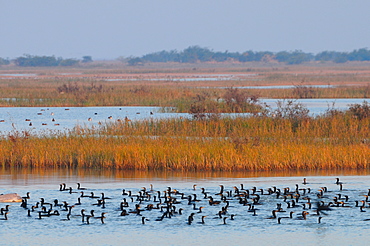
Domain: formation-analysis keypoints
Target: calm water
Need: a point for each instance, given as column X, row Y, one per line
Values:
column 340, row 226
column 67, row 118
column 319, row 106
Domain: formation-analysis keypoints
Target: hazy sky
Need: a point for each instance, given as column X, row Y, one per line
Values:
column 112, row 28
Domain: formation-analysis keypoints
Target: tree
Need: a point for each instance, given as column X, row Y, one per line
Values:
column 68, row 62
column 195, row 53
column 4, row 61
column 43, row 61
column 86, row 59
column 37, row 61
column 135, row 61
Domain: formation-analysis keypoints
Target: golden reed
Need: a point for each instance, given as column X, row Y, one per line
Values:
column 230, row 144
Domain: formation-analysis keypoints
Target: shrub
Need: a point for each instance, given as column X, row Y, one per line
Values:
column 360, row 111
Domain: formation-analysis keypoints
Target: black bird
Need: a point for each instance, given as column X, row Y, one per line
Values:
column 143, row 219
column 92, row 195
column 102, row 217
column 224, row 219
column 191, row 218
column 202, row 221
column 27, row 196
column 5, row 216
column 79, row 187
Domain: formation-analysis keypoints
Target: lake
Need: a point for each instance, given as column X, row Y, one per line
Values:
column 339, row 226
column 46, row 119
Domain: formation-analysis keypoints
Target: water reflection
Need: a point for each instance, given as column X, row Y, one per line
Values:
column 19, row 175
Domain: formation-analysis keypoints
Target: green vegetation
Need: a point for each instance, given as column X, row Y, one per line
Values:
column 87, row 59
column 4, row 61
column 194, row 54
column 47, row 61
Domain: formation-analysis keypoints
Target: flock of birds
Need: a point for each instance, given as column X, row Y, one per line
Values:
column 55, row 123
column 148, row 205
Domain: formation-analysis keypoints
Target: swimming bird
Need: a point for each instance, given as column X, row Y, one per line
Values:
column 71, row 190
column 200, row 209
column 224, row 220
column 103, row 197
column 92, row 195
column 102, row 217
column 27, row 196
column 273, row 215
column 5, row 216
column 24, row 203
column 62, row 187
column 78, row 201
column 202, row 220
column 304, row 216
column 88, row 219
column 79, row 187
column 143, row 219
column 191, row 218
column 213, row 202
column 67, row 218
column 83, row 215
column 221, row 190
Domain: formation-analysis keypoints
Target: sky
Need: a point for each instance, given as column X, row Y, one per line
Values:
column 113, row 28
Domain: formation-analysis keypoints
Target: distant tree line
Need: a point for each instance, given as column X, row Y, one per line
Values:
column 44, row 61
column 194, row 54
column 4, row 61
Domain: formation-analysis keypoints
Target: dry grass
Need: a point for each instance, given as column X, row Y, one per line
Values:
column 240, row 144
column 114, row 84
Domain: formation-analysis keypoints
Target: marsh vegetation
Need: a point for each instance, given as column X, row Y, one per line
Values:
column 267, row 139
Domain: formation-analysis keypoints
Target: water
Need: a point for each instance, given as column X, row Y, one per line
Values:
column 17, row 75
column 284, row 86
column 340, row 226
column 319, row 106
column 203, row 77
column 67, row 118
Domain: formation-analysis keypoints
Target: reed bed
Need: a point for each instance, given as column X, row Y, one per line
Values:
column 156, row 85
column 329, row 142
column 60, row 94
